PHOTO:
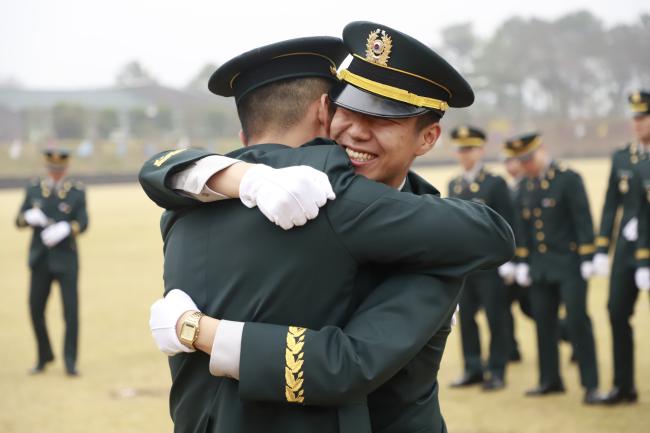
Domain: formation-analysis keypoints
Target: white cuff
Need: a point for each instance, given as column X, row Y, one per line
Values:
column 226, row 349
column 192, row 181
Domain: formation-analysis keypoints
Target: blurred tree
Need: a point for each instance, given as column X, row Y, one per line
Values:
column 139, row 123
column 133, row 74
column 69, row 121
column 200, row 82
column 107, row 121
column 460, row 44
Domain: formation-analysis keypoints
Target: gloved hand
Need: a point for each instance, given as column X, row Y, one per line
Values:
column 163, row 318
column 286, row 196
column 55, row 233
column 35, row 217
column 631, row 230
column 522, row 275
column 601, row 264
column 586, row 270
column 507, row 272
column 642, row 278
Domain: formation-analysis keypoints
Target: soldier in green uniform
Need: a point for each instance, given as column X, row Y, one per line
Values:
column 555, row 248
column 484, row 289
column 55, row 209
column 622, row 191
column 267, row 344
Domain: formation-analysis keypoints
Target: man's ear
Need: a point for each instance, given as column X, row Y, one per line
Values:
column 324, row 117
column 243, row 138
column 428, row 137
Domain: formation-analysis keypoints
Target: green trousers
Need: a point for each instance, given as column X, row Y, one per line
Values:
column 39, row 292
column 546, row 298
column 485, row 290
column 622, row 298
column 520, row 295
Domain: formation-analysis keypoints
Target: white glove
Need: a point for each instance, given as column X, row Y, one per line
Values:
column 55, row 233
column 286, row 196
column 631, row 230
column 522, row 274
column 586, row 270
column 164, row 315
column 507, row 272
column 642, row 278
column 35, row 217
column 601, row 264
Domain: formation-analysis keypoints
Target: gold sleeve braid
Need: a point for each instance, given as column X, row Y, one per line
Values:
column 293, row 374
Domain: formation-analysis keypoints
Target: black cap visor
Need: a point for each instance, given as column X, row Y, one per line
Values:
column 347, row 96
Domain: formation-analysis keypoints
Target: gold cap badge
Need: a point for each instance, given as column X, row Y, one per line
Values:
column 463, row 132
column 378, row 47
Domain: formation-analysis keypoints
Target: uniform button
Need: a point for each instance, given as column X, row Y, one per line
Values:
column 539, row 224
column 537, row 212
column 540, row 236
column 542, row 248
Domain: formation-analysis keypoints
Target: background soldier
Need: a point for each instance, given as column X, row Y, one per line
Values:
column 484, row 289
column 55, row 208
column 622, row 191
column 556, row 247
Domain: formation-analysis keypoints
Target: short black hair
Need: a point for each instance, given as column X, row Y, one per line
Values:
column 280, row 105
column 426, row 119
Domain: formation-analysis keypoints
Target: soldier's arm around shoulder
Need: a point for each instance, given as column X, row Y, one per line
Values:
column 378, row 224
column 334, row 366
column 157, row 171
column 576, row 196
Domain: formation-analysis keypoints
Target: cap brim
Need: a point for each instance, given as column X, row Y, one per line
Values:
column 352, row 98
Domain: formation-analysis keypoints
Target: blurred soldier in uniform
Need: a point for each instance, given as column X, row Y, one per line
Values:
column 55, row 209
column 515, row 291
column 485, row 289
column 623, row 191
column 555, row 249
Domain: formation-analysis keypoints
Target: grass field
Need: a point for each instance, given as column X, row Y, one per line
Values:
column 125, row 381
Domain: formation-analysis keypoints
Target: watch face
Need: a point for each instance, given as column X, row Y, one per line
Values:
column 187, row 332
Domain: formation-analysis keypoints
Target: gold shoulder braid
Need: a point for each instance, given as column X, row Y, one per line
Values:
column 160, row 161
column 293, row 374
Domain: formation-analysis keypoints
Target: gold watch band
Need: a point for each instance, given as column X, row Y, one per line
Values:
column 190, row 329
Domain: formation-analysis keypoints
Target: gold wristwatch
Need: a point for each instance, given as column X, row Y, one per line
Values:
column 190, row 329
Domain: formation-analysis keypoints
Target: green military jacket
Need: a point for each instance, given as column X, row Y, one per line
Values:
column 488, row 189
column 556, row 232
column 643, row 244
column 622, row 191
column 63, row 202
column 350, row 231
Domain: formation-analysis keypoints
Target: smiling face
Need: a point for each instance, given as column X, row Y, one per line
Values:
column 382, row 149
